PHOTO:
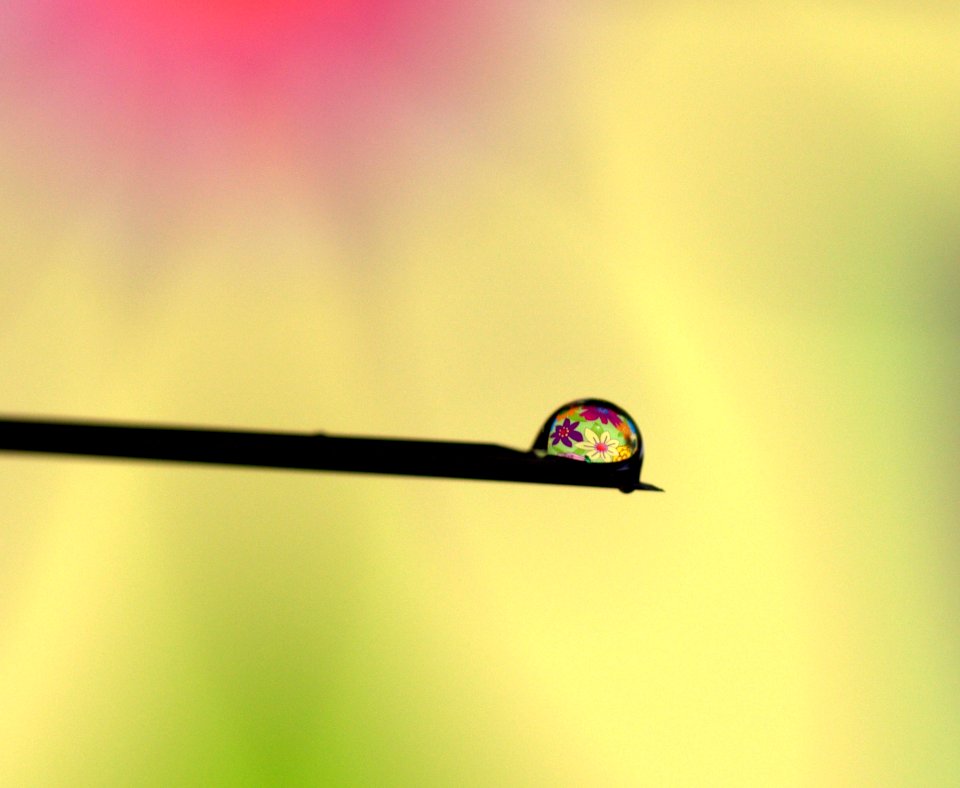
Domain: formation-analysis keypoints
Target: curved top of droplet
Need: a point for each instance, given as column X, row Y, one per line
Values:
column 591, row 430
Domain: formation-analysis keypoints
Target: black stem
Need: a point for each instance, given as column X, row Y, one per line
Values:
column 312, row 452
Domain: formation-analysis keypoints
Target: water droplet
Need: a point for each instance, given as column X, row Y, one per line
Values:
column 592, row 430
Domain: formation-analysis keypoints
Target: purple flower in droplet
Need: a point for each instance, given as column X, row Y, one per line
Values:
column 564, row 432
column 603, row 415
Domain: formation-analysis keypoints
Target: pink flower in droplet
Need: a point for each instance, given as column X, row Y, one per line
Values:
column 601, row 414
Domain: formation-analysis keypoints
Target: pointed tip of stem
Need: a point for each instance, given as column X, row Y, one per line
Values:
column 649, row 487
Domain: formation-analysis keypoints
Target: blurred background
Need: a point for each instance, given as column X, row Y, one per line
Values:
column 739, row 221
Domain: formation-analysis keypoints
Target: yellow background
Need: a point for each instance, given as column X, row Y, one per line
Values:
column 737, row 220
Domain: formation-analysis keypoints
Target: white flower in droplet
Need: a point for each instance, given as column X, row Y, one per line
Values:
column 603, row 448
